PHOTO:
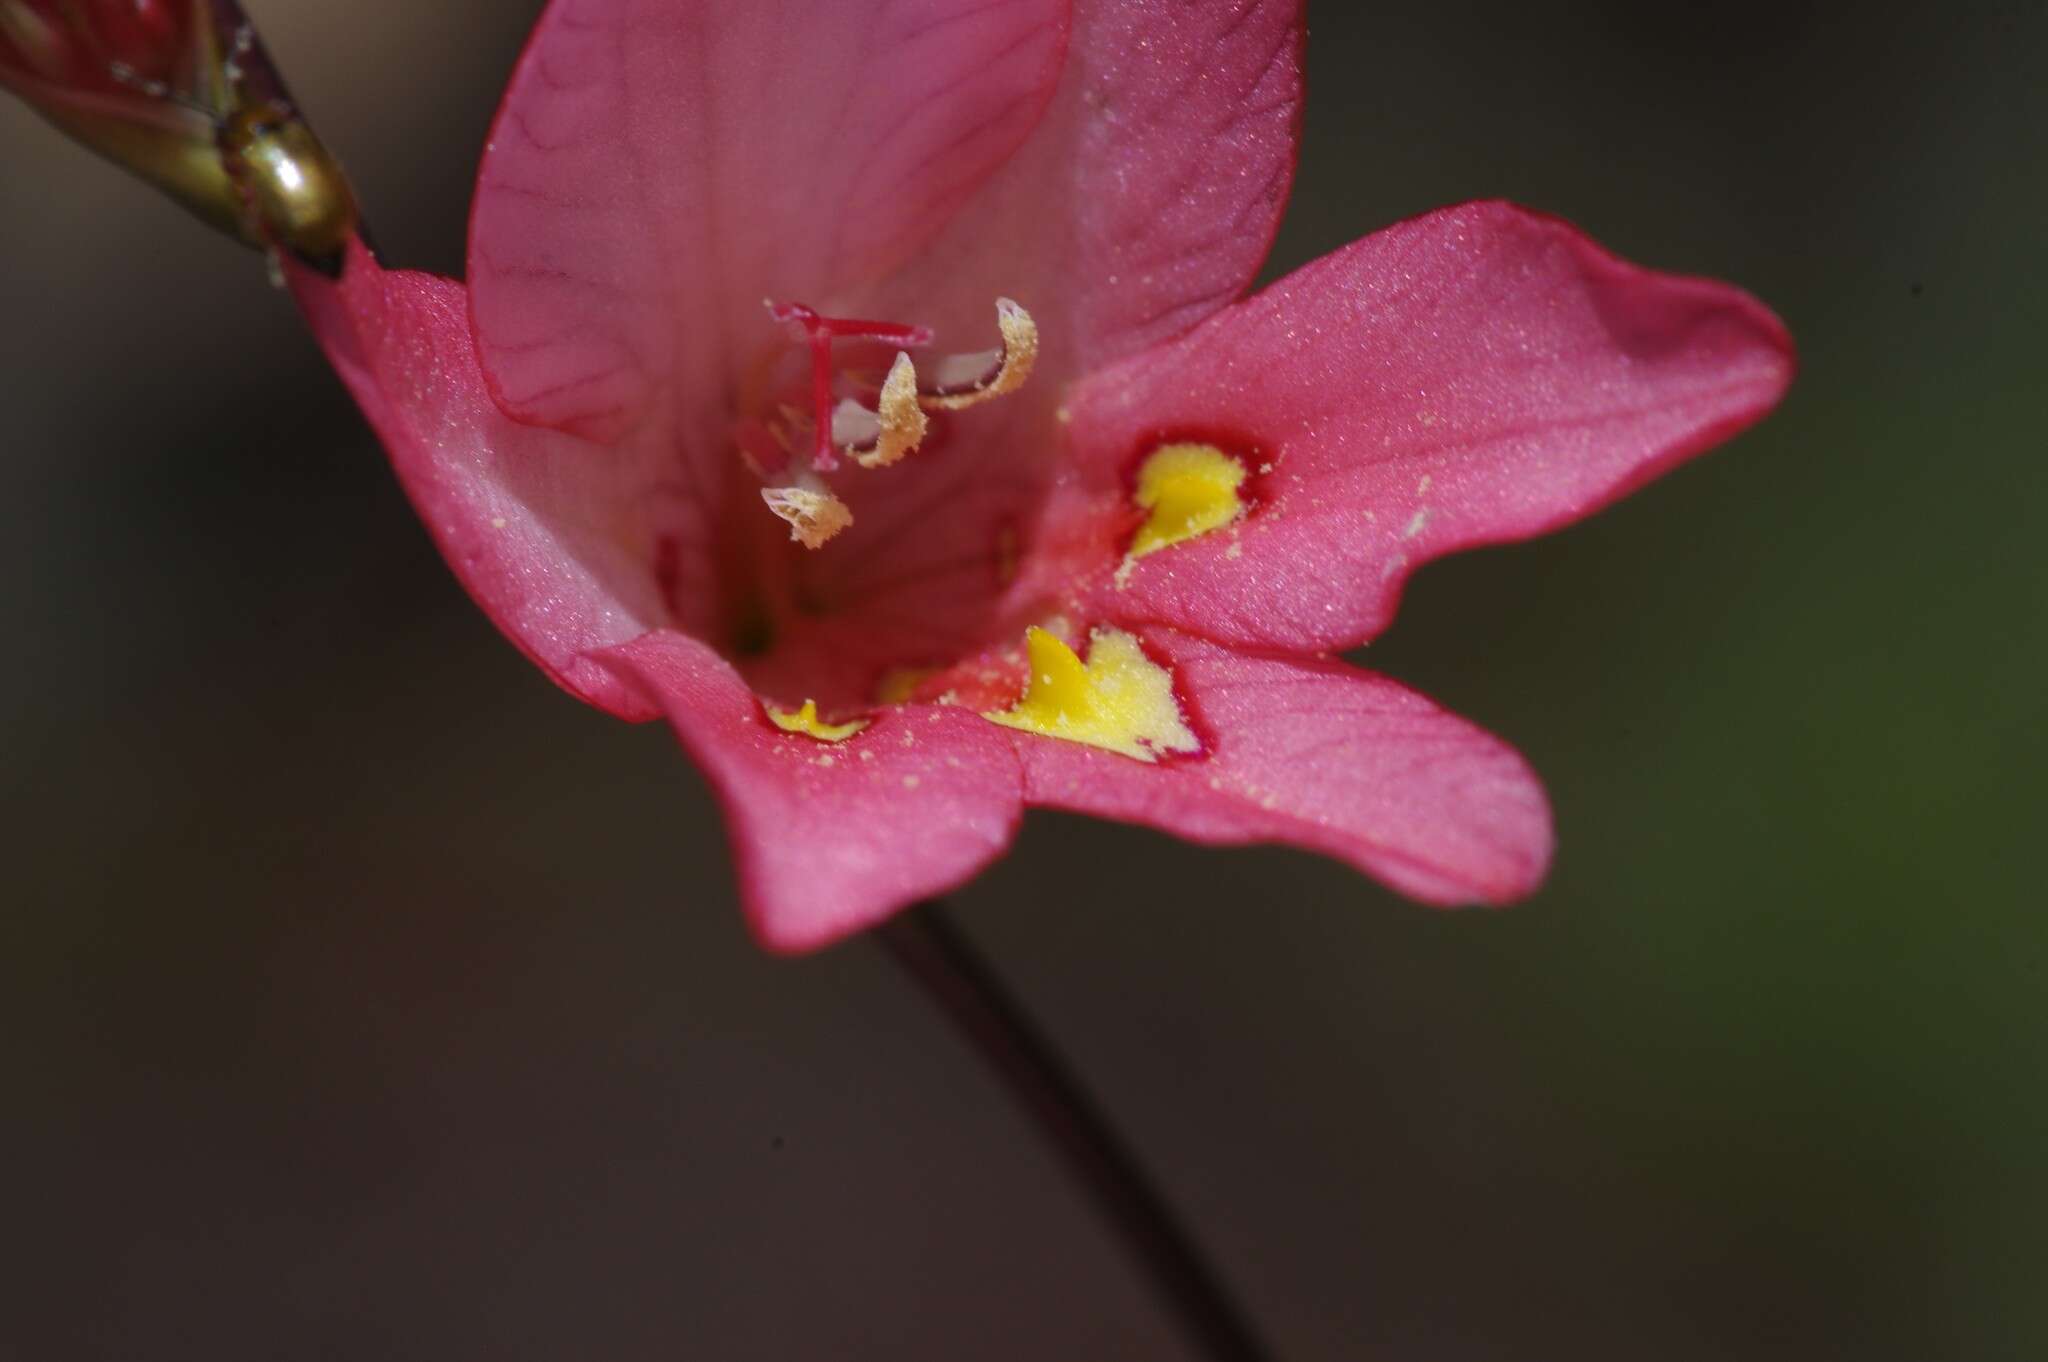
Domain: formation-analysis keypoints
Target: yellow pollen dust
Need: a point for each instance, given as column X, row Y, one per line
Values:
column 813, row 514
column 1190, row 489
column 1012, row 364
column 898, row 684
column 901, row 419
column 807, row 722
column 1119, row 700
column 894, row 428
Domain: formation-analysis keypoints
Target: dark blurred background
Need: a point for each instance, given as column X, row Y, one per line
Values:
column 364, row 997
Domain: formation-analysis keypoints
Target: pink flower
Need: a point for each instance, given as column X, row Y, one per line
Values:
column 1116, row 588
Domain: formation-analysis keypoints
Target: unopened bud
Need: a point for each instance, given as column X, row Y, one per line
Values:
column 181, row 94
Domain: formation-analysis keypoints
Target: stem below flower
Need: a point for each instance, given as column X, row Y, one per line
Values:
column 924, row 941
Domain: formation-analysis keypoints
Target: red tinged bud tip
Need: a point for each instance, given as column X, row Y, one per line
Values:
column 181, row 93
column 102, row 46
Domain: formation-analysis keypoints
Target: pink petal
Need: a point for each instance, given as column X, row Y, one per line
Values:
column 1145, row 200
column 916, row 581
column 1323, row 756
column 833, row 837
column 1148, row 196
column 532, row 521
column 657, row 168
column 1480, row 374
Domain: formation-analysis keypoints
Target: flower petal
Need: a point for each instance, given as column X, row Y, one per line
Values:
column 533, row 522
column 1480, row 374
column 1144, row 200
column 1148, row 196
column 657, row 168
column 832, row 837
column 918, row 581
column 1324, row 756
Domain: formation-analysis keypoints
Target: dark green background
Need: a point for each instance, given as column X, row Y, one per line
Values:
column 362, row 997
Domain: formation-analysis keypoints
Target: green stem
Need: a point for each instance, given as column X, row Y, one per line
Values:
column 932, row 951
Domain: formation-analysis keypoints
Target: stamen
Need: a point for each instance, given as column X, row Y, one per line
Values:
column 873, row 438
column 819, row 332
column 965, row 380
column 901, row 420
column 763, row 448
column 854, row 427
column 813, row 513
column 878, row 438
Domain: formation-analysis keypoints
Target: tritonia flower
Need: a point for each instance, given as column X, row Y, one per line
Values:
column 867, row 389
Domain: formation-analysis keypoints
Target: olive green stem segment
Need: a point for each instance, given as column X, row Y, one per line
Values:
column 939, row 958
column 222, row 138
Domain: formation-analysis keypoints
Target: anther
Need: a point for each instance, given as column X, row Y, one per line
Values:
column 813, row 513
column 966, row 380
column 819, row 332
column 898, row 416
column 876, row 436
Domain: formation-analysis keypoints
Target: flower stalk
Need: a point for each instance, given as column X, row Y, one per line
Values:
column 955, row 978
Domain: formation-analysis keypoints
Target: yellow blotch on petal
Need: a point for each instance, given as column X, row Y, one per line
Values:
column 898, row 684
column 807, row 722
column 1119, row 699
column 1190, row 489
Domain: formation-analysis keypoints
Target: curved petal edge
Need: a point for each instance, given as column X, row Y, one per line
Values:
column 1478, row 375
column 528, row 519
column 1321, row 755
column 833, row 837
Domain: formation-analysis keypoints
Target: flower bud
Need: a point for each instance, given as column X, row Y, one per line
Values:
column 78, row 43
column 181, row 94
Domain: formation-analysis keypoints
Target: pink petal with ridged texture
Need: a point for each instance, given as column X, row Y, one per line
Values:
column 535, row 523
column 1323, row 756
column 1147, row 197
column 832, row 837
column 1480, row 374
column 657, row 168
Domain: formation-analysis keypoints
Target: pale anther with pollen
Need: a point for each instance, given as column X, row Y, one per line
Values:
column 814, row 514
column 966, row 380
column 873, row 437
column 901, row 420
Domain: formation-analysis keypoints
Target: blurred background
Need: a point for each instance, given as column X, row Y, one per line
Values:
column 362, row 996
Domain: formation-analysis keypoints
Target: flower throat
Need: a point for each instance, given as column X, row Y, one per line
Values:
column 845, row 412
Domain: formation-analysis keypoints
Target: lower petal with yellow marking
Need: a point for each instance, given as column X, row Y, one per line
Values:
column 806, row 721
column 1188, row 489
column 1119, row 699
